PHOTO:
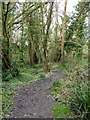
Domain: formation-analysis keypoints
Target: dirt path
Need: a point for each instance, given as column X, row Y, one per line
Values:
column 32, row 100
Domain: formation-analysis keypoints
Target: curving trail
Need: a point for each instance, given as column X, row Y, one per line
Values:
column 32, row 100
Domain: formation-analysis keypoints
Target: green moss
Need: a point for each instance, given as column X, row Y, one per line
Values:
column 61, row 111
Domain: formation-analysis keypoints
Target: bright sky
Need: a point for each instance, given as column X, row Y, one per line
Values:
column 70, row 5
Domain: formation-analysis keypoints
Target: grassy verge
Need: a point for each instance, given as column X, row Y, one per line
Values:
column 27, row 75
column 61, row 111
column 73, row 91
column 61, row 94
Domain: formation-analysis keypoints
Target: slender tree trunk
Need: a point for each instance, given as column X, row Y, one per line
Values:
column 22, row 37
column 56, row 29
column 45, row 57
column 63, row 34
column 30, row 40
column 89, row 46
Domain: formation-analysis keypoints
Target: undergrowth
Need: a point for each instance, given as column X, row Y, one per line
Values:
column 73, row 90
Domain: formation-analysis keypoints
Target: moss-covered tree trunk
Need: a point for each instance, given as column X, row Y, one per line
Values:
column 5, row 42
column 30, row 39
column 46, row 35
column 63, row 34
column 31, row 52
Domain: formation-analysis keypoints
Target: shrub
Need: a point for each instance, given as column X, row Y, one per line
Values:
column 7, row 74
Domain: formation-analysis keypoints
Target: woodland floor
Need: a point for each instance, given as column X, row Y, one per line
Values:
column 34, row 100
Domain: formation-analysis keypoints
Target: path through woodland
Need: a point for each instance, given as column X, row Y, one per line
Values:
column 34, row 101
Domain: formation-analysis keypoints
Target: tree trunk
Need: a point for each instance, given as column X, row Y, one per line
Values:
column 45, row 57
column 31, row 52
column 63, row 34
column 5, row 43
column 30, row 40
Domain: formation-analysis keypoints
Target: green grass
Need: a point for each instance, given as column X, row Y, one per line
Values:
column 58, row 82
column 81, row 100
column 56, row 88
column 61, row 111
column 42, row 76
column 10, row 87
column 61, row 108
column 77, row 71
column 70, row 91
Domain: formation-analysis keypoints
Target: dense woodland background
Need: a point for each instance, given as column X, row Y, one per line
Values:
column 39, row 36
